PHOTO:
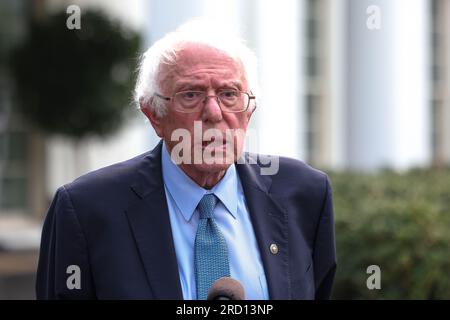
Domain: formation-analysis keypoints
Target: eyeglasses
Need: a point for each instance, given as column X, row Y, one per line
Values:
column 193, row 101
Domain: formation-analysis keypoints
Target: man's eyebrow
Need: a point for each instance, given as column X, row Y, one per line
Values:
column 193, row 84
column 237, row 84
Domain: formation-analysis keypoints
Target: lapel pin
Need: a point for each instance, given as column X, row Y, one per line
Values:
column 273, row 248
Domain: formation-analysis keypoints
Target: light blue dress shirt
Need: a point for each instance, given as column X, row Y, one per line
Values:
column 232, row 217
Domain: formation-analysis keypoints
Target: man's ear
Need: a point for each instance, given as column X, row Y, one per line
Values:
column 154, row 119
column 252, row 109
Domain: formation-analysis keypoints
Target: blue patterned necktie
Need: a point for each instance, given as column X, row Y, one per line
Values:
column 211, row 253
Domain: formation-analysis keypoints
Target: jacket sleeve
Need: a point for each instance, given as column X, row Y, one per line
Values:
column 324, row 256
column 63, row 270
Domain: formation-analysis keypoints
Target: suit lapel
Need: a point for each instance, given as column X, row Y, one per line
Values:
column 269, row 222
column 149, row 220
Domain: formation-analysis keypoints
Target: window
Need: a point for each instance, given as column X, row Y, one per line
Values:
column 13, row 172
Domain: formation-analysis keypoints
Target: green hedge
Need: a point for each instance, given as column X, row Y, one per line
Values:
column 400, row 222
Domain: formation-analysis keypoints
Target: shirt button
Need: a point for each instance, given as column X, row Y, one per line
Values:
column 273, row 248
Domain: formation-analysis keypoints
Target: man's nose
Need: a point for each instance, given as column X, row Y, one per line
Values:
column 211, row 109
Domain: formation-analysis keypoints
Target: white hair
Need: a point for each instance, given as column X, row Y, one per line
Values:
column 164, row 52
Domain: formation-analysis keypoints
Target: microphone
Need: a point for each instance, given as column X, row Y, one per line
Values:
column 226, row 288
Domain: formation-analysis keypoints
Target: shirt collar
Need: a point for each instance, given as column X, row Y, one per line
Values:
column 187, row 194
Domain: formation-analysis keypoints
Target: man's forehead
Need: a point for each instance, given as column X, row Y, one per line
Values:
column 193, row 58
column 198, row 51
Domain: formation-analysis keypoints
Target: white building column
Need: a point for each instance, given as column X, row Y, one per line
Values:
column 388, row 85
column 442, row 91
column 336, row 134
column 279, row 117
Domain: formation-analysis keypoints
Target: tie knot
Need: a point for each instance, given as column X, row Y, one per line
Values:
column 206, row 206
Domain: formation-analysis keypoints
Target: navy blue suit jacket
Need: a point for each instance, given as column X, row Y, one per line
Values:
column 114, row 225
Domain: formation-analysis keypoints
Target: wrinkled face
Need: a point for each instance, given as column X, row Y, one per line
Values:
column 202, row 68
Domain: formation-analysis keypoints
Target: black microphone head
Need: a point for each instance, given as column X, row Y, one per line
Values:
column 226, row 288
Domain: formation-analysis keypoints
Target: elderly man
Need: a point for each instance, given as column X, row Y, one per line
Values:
column 168, row 223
